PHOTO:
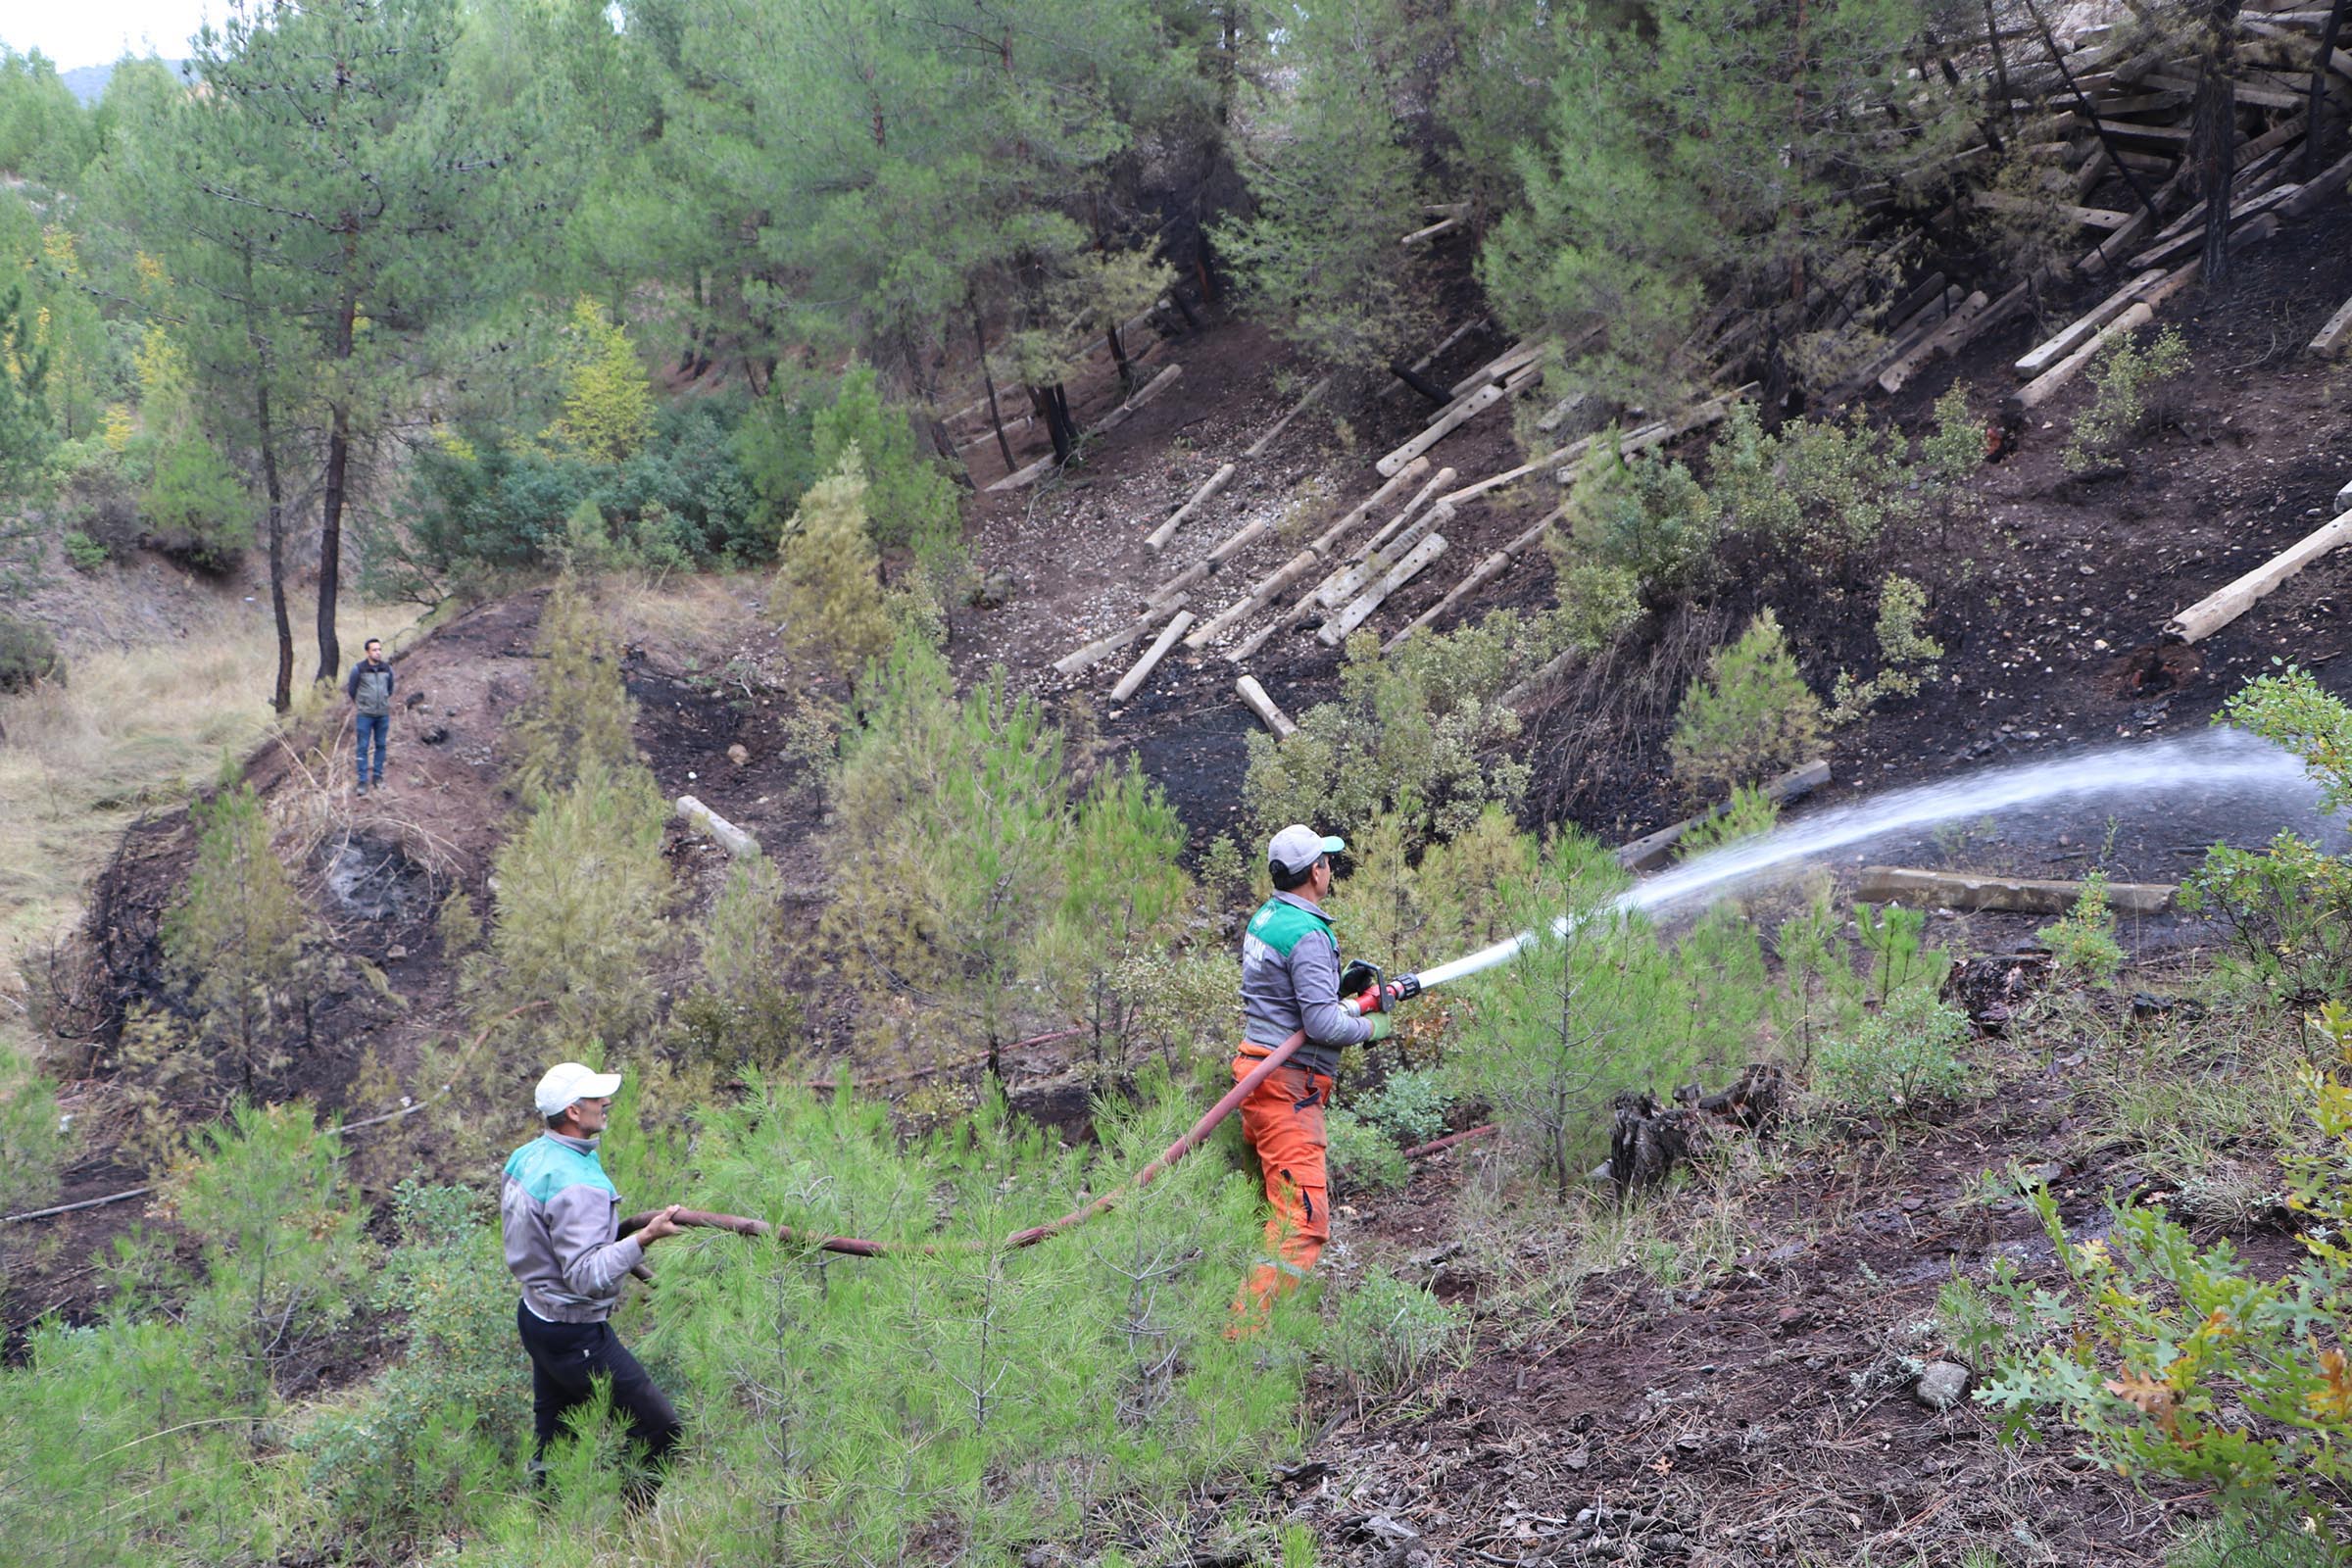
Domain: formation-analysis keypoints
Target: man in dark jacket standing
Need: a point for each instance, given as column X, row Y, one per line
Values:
column 561, row 1219
column 370, row 688
column 1291, row 983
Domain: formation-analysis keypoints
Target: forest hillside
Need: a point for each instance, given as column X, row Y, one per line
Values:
column 1802, row 543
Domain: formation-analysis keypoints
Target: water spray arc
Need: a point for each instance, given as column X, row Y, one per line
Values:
column 2224, row 759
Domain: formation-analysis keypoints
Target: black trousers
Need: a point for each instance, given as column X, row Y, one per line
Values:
column 566, row 1360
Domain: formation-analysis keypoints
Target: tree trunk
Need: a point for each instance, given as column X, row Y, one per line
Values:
column 2314, row 122
column 995, row 416
column 1052, row 406
column 281, row 695
column 1420, row 383
column 1118, row 356
column 2214, row 137
column 338, row 473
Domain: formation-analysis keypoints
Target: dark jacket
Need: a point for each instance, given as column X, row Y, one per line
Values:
column 1291, row 980
column 369, row 684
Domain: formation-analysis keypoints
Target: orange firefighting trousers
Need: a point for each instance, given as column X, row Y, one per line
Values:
column 1283, row 1120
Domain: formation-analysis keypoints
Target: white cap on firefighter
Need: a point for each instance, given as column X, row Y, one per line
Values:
column 567, row 1083
column 1298, row 847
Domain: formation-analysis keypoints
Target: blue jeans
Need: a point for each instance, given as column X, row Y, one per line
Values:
column 377, row 726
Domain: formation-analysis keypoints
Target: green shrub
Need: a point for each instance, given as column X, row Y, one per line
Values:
column 1410, row 1106
column 197, row 508
column 1904, row 1053
column 2082, row 941
column 1907, row 655
column 27, row 655
column 747, row 1011
column 1749, row 813
column 2129, row 404
column 236, row 933
column 1752, row 717
column 1362, row 1157
column 1412, row 732
column 1644, row 519
column 580, row 714
column 910, row 501
column 2173, row 1361
column 83, row 553
column 1389, row 1335
column 32, row 1141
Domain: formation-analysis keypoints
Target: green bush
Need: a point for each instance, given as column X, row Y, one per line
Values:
column 1363, row 1156
column 27, row 655
column 83, row 553
column 829, row 595
column 1907, row 655
column 1410, row 1105
column 197, row 508
column 2082, row 941
column 1906, row 1053
column 910, row 501
column 1751, row 718
column 1388, row 1335
column 2131, row 403
column 32, row 1141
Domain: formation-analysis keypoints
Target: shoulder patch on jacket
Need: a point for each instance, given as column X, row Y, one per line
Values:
column 543, row 1167
column 1280, row 926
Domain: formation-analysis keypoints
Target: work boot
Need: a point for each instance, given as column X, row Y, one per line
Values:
column 362, row 790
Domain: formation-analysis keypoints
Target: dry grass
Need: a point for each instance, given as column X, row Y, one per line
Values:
column 131, row 731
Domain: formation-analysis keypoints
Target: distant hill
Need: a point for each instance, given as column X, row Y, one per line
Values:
column 87, row 83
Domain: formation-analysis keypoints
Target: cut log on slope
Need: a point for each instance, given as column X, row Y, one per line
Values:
column 1404, row 478
column 1395, row 387
column 2047, row 385
column 1965, row 890
column 1247, row 649
column 1553, row 669
column 1103, row 648
column 2335, row 335
column 2343, row 498
column 1241, row 539
column 2085, row 326
column 2217, row 610
column 2331, row 184
column 1157, row 539
column 1254, row 698
column 1651, row 849
column 1499, row 369
column 1454, row 418
column 1909, row 334
column 1258, row 599
column 1953, row 328
column 1117, row 416
column 1401, row 524
column 2086, row 217
column 1353, row 578
column 2253, row 221
column 1422, row 236
column 1563, row 458
column 1314, row 395
column 1486, row 571
column 1135, row 678
column 734, row 840
column 1335, row 631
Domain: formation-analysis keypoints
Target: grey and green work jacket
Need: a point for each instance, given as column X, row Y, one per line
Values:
column 370, row 687
column 1291, row 981
column 561, row 1216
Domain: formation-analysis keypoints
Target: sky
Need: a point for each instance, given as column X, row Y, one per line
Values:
column 95, row 32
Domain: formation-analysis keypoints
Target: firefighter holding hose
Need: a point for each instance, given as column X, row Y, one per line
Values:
column 1291, row 985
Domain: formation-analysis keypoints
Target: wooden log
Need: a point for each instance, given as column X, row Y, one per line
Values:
column 1651, row 849
column 1249, row 604
column 1393, row 388
column 1241, row 539
column 1165, row 594
column 1103, row 648
column 1351, row 579
column 1422, row 236
column 1551, row 669
column 1247, row 649
column 2085, row 326
column 1907, row 364
column 2330, row 184
column 2344, row 497
column 734, row 840
column 2219, row 609
column 1713, row 410
column 1157, row 539
column 1486, row 571
column 2335, row 335
column 1335, row 631
column 2087, row 217
column 1557, row 414
column 1501, row 368
column 1914, row 330
column 2246, row 226
column 1356, row 514
column 1454, row 418
column 1389, row 530
column 2047, row 386
column 1254, row 698
column 1314, row 395
column 1141, row 670
column 1967, row 890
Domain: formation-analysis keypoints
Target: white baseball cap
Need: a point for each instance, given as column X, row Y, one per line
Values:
column 567, row 1083
column 1298, row 847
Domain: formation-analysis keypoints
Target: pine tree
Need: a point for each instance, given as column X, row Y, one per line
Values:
column 1750, row 718
column 237, row 932
column 1122, row 893
column 580, row 715
column 829, row 592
